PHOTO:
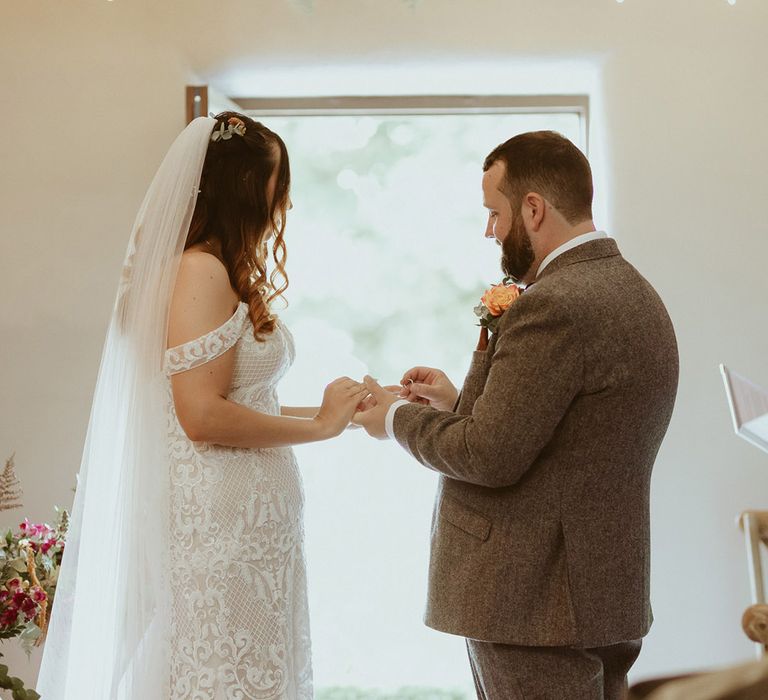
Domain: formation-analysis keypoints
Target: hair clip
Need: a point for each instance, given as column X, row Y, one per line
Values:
column 228, row 130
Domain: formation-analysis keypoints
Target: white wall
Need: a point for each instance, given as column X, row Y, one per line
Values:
column 91, row 94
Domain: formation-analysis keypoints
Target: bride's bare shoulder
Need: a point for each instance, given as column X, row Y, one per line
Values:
column 203, row 298
column 201, row 263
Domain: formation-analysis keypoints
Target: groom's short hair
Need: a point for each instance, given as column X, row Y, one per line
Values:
column 547, row 163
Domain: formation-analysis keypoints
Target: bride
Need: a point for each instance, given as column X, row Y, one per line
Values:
column 184, row 575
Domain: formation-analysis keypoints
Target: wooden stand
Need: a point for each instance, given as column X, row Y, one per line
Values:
column 744, row 682
column 754, row 524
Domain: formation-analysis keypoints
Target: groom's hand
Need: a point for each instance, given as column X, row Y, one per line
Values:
column 430, row 386
column 370, row 401
column 373, row 419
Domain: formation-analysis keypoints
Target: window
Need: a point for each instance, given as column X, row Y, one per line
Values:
column 386, row 258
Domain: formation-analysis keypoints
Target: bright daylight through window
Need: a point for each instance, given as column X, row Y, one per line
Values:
column 387, row 259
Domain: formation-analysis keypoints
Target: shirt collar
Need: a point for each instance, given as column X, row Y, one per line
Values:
column 568, row 245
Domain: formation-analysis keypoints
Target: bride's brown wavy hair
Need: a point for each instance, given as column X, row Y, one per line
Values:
column 233, row 208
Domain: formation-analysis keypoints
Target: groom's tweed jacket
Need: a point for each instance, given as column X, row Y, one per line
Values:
column 540, row 533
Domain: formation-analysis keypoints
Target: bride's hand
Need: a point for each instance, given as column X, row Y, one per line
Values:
column 340, row 401
column 370, row 401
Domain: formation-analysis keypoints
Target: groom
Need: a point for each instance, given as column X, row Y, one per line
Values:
column 540, row 536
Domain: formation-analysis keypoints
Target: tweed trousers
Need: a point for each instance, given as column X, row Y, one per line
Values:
column 507, row 672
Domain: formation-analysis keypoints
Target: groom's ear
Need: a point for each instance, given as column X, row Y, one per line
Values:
column 534, row 207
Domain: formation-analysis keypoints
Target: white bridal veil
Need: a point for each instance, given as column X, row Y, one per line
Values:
column 108, row 638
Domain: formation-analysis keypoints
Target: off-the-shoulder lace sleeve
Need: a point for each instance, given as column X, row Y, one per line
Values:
column 207, row 347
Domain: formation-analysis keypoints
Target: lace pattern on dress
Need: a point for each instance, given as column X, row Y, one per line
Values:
column 207, row 347
column 237, row 574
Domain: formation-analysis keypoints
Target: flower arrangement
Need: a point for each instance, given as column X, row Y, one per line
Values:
column 30, row 559
column 496, row 300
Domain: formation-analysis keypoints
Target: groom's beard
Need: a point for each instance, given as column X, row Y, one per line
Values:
column 517, row 254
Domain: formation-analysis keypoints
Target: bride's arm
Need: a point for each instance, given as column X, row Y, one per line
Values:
column 299, row 411
column 222, row 422
column 306, row 412
column 311, row 411
column 203, row 300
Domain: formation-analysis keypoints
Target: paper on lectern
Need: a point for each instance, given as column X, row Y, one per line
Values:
column 749, row 408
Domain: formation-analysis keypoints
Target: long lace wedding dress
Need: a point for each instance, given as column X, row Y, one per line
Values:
column 239, row 615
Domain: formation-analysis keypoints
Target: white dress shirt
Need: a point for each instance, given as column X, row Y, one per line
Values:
column 578, row 240
column 389, row 421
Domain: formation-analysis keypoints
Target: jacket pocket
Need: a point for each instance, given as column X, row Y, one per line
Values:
column 464, row 518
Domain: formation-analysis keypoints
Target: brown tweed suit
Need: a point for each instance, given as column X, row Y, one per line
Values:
column 540, row 532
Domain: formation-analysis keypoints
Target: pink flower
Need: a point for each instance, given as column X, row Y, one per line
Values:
column 8, row 617
column 39, row 595
column 34, row 529
column 13, row 584
column 46, row 546
column 29, row 608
